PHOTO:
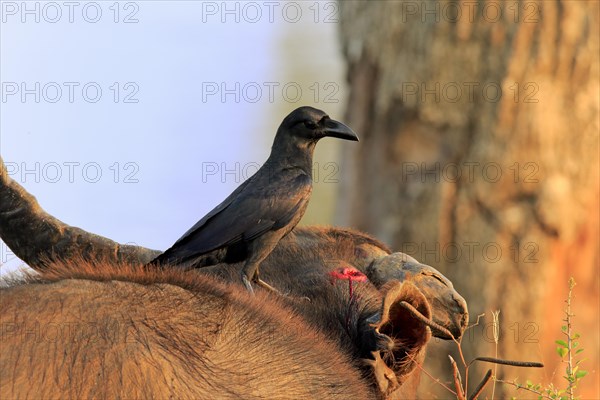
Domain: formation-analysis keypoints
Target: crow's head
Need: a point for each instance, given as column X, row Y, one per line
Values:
column 309, row 124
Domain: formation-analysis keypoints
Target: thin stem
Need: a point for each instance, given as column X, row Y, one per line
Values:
column 516, row 385
column 569, row 376
column 496, row 325
column 461, row 354
column 495, row 372
column 457, row 380
column 465, row 365
column 436, row 380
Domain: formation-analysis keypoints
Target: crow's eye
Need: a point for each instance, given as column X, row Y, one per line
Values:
column 310, row 125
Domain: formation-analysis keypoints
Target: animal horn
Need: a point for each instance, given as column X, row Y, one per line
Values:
column 36, row 237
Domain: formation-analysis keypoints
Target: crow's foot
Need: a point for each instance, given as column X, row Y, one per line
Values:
column 268, row 287
column 256, row 280
column 247, row 284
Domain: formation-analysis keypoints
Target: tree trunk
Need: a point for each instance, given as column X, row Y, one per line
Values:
column 479, row 155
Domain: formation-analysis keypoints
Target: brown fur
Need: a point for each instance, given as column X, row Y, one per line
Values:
column 172, row 332
column 160, row 333
column 130, row 333
column 300, row 263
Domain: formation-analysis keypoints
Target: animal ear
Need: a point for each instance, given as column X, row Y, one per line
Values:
column 407, row 335
column 449, row 309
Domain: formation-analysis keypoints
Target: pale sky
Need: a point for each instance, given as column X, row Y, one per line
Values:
column 134, row 130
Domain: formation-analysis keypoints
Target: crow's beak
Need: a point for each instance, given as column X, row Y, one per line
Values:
column 338, row 130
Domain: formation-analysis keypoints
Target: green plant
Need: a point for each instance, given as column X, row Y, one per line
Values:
column 461, row 386
column 567, row 349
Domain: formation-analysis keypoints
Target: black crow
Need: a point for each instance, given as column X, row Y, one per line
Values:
column 269, row 204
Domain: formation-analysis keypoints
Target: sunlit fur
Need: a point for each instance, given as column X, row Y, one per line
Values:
column 160, row 334
column 166, row 332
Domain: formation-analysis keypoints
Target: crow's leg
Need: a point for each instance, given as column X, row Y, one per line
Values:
column 258, row 251
column 250, row 273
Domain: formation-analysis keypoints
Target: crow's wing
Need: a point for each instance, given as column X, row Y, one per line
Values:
column 223, row 205
column 250, row 211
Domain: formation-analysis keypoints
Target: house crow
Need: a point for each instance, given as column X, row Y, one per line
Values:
column 269, row 204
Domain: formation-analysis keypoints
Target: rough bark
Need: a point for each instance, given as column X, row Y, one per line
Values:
column 527, row 159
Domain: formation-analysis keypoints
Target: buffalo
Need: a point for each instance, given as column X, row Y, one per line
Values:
column 95, row 322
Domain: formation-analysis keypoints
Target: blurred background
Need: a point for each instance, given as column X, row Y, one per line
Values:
column 478, row 123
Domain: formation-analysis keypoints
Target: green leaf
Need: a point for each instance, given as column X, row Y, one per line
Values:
column 562, row 351
column 576, row 336
column 580, row 374
column 578, row 351
column 563, row 328
column 561, row 343
column 575, row 344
